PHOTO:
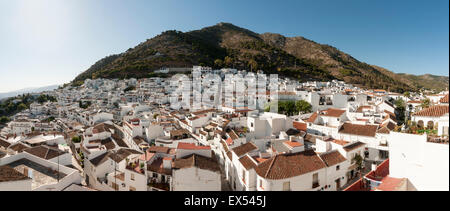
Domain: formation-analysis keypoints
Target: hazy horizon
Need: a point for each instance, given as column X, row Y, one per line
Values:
column 47, row 42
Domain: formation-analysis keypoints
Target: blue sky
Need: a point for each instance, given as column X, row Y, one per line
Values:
column 46, row 42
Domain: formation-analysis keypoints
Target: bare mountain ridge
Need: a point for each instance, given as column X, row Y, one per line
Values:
column 226, row 45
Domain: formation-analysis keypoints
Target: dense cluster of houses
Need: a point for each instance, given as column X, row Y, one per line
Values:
column 124, row 135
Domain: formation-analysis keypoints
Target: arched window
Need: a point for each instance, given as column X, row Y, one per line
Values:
column 430, row 125
column 420, row 124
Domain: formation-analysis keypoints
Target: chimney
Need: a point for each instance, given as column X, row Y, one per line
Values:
column 167, row 163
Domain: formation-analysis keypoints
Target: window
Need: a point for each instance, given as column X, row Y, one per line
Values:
column 243, row 176
column 338, row 167
column 155, row 175
column 251, row 124
column 260, row 183
column 315, row 182
column 286, row 186
column 132, row 177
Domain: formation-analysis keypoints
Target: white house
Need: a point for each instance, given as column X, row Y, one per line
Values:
column 196, row 173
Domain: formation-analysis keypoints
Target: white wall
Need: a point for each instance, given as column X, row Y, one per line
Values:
column 299, row 183
column 22, row 185
column 425, row 164
column 195, row 179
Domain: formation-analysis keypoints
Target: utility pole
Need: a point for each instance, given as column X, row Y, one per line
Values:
column 115, row 176
column 58, row 165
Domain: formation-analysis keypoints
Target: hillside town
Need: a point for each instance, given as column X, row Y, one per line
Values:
column 146, row 135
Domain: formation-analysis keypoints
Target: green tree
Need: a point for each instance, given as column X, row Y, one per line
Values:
column 228, row 61
column 407, row 94
column 21, row 107
column 253, row 64
column 4, row 120
column 129, row 88
column 400, row 108
column 358, row 160
column 218, row 63
column 303, row 107
column 76, row 139
column 425, row 103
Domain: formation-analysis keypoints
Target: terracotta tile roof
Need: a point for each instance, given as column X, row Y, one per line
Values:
column 361, row 108
column 138, row 140
column 340, row 142
column 444, row 99
column 300, row 126
column 293, row 144
column 247, row 162
column 230, row 155
column 108, row 143
column 360, row 130
column 284, row 166
column 260, row 160
column 331, row 112
column 434, row 111
column 353, row 146
column 225, row 146
column 204, row 111
column 4, row 143
column 198, row 161
column 312, row 118
column 229, row 141
column 157, row 166
column 147, row 156
column 245, row 148
column 391, row 184
column 18, row 147
column 332, row 158
column 100, row 159
column 384, row 130
column 102, row 127
column 233, row 135
column 159, row 149
column 390, row 113
column 45, row 152
column 192, row 146
column 179, row 132
column 387, row 127
column 122, row 154
column 9, row 174
column 119, row 141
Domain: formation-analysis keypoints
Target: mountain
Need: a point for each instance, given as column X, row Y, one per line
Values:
column 28, row 90
column 227, row 45
column 428, row 81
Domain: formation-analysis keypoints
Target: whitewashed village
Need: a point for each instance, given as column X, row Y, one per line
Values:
column 123, row 135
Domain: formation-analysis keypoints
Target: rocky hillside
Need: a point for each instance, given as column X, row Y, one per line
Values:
column 226, row 45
